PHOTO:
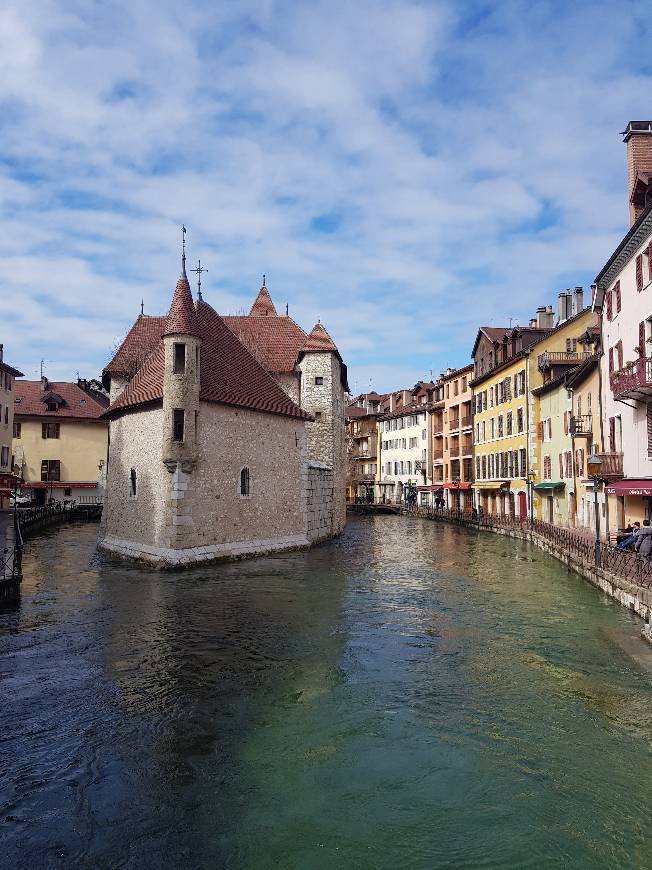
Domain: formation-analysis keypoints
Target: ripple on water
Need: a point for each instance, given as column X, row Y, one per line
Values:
column 409, row 695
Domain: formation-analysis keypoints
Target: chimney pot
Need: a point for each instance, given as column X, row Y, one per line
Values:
column 578, row 300
column 2, row 351
column 561, row 307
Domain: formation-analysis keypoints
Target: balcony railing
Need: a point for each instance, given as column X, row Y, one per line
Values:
column 582, row 425
column 612, row 466
column 467, row 422
column 633, row 381
column 437, row 425
column 561, row 358
column 467, row 447
column 437, row 454
column 454, row 424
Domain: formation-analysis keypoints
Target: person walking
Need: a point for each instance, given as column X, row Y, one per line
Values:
column 643, row 541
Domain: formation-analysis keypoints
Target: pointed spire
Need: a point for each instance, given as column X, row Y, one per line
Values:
column 182, row 317
column 183, row 250
column 263, row 306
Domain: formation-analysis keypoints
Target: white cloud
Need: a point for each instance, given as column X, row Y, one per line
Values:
column 469, row 160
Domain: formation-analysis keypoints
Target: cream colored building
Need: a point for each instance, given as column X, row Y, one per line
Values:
column 60, row 440
column 8, row 374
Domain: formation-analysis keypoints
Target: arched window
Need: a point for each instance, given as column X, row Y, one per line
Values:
column 244, row 481
column 132, row 483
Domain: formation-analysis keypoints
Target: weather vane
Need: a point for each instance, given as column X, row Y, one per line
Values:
column 199, row 271
column 183, row 247
column 263, row 280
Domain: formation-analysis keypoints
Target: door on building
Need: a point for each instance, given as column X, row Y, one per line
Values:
column 522, row 505
column 551, row 508
column 572, row 510
column 511, row 504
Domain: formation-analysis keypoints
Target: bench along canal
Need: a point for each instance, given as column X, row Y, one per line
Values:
column 411, row 695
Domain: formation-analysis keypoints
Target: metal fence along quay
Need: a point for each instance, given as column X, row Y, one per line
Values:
column 626, row 564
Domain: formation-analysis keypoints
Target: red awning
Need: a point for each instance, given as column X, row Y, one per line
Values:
column 630, row 487
column 435, row 488
column 56, row 484
column 457, row 486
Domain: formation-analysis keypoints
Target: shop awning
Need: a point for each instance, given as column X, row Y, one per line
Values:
column 437, row 487
column 490, row 484
column 630, row 487
column 549, row 485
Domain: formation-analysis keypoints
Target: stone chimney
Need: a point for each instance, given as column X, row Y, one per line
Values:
column 561, row 307
column 545, row 318
column 533, row 322
column 392, row 402
column 569, row 303
column 2, row 351
column 638, row 138
column 44, row 384
column 578, row 300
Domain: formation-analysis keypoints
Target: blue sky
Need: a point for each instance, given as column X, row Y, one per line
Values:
column 403, row 171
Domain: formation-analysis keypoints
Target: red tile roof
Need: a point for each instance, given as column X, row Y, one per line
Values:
column 182, row 318
column 275, row 341
column 140, row 341
column 76, row 403
column 229, row 374
column 263, row 305
column 319, row 340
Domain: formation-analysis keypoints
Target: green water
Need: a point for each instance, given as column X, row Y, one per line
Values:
column 409, row 696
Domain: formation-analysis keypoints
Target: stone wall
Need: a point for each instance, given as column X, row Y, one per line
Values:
column 182, row 517
column 320, row 507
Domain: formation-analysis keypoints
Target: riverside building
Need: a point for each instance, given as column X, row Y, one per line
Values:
column 60, row 440
column 8, row 480
column 362, row 441
column 403, row 451
column 500, row 407
column 624, row 302
column 227, row 435
column 452, row 439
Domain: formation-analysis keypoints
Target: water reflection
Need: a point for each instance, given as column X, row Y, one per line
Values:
column 410, row 695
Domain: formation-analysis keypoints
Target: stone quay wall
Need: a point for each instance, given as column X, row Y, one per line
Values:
column 321, row 519
column 624, row 576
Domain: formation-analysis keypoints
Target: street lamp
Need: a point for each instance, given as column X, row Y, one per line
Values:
column 594, row 467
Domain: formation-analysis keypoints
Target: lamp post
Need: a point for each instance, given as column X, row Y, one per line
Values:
column 594, row 467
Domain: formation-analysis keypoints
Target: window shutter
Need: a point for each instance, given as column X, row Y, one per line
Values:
column 57, row 427
column 611, row 360
column 619, row 347
column 641, row 338
column 617, row 292
column 639, row 273
column 609, row 305
column 561, row 464
column 649, row 430
column 44, row 469
column 44, row 430
column 612, row 434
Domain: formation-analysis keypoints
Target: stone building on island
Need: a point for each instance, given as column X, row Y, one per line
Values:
column 227, row 435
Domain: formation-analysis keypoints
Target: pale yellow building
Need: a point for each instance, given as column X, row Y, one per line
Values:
column 60, row 443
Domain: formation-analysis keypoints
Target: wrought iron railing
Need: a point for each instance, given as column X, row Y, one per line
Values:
column 561, row 357
column 626, row 564
column 633, row 380
column 581, row 425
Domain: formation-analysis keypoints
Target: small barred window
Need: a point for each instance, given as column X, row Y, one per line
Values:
column 244, row 481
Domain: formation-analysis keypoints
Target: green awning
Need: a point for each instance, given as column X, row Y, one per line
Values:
column 549, row 484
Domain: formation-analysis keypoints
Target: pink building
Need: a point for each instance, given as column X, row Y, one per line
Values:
column 624, row 299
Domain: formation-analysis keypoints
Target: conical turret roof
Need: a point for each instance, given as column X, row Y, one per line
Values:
column 319, row 339
column 263, row 306
column 182, row 316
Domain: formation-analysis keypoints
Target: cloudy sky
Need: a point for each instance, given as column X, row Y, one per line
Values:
column 403, row 171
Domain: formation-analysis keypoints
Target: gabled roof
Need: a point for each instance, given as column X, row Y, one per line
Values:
column 230, row 374
column 182, row 318
column 78, row 404
column 263, row 305
column 492, row 333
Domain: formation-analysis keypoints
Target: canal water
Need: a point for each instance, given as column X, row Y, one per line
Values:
column 412, row 695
